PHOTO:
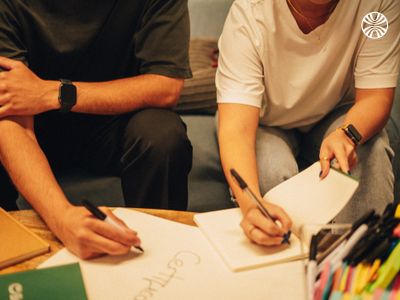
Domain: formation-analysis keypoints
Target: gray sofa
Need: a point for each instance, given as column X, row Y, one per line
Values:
column 207, row 186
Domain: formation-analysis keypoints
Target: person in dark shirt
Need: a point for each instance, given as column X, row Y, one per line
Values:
column 90, row 83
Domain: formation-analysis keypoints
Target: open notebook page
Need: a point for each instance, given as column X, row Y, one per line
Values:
column 309, row 200
column 222, row 228
column 306, row 199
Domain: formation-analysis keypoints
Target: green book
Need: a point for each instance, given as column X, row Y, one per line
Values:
column 62, row 282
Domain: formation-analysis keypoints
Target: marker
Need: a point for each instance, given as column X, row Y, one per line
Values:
column 98, row 214
column 343, row 280
column 396, row 231
column 336, row 279
column 348, row 246
column 372, row 270
column 389, row 270
column 380, row 251
column 362, row 281
column 397, row 212
column 243, row 185
column 375, row 236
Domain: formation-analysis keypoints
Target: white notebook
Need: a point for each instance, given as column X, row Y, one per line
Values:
column 306, row 198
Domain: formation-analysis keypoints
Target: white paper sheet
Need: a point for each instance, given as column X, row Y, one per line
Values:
column 179, row 263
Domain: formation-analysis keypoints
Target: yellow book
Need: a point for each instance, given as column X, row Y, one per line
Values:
column 17, row 242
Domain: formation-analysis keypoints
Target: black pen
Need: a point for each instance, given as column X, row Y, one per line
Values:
column 373, row 238
column 97, row 213
column 243, row 185
column 379, row 252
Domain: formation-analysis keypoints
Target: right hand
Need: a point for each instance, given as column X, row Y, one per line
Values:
column 262, row 230
column 88, row 237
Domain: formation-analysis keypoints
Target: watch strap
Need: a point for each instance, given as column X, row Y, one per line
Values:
column 352, row 133
column 66, row 104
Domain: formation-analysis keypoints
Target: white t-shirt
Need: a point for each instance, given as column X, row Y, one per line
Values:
column 296, row 79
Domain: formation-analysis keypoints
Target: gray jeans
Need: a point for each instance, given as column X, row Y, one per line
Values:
column 281, row 153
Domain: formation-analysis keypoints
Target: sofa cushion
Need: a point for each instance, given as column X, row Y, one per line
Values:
column 199, row 93
column 208, row 189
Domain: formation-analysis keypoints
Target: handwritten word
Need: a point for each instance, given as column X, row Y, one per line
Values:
column 154, row 283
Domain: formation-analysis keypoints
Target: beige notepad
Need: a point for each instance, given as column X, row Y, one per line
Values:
column 17, row 242
column 307, row 199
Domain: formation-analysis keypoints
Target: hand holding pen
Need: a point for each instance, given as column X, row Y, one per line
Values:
column 120, row 227
column 260, row 224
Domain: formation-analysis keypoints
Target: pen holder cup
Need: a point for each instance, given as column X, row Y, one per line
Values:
column 328, row 236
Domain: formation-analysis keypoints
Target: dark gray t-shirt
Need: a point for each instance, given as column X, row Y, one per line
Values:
column 97, row 40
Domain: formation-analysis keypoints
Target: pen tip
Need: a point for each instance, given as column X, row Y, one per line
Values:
column 139, row 248
column 286, row 238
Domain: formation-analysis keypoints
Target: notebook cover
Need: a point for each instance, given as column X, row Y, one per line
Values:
column 18, row 243
column 64, row 282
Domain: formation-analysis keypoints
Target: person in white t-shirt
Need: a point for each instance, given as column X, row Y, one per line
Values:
column 298, row 81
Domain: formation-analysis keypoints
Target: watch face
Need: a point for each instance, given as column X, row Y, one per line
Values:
column 68, row 94
column 354, row 132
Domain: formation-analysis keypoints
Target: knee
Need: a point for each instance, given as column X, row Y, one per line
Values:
column 159, row 134
column 275, row 173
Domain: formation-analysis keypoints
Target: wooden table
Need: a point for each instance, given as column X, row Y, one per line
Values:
column 31, row 219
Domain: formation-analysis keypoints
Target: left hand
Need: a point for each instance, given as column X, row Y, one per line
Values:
column 22, row 93
column 337, row 145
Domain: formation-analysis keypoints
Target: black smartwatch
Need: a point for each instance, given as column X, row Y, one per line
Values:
column 352, row 133
column 67, row 95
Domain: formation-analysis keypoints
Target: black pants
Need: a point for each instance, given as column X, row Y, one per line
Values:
column 148, row 149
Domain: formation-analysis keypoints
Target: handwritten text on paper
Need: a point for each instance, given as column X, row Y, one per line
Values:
column 155, row 283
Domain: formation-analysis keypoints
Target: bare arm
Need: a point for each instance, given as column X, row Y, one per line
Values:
column 125, row 95
column 28, row 168
column 369, row 115
column 237, row 126
column 371, row 111
column 23, row 93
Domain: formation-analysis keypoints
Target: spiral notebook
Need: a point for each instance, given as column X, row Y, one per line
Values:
column 306, row 198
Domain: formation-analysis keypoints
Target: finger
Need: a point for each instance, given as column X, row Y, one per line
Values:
column 99, row 245
column 325, row 160
column 121, row 223
column 7, row 63
column 4, row 99
column 259, row 237
column 112, row 232
column 342, row 160
column 4, row 111
column 255, row 217
column 279, row 214
column 353, row 160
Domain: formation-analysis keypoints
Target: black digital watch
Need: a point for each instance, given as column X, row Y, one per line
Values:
column 352, row 133
column 67, row 95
